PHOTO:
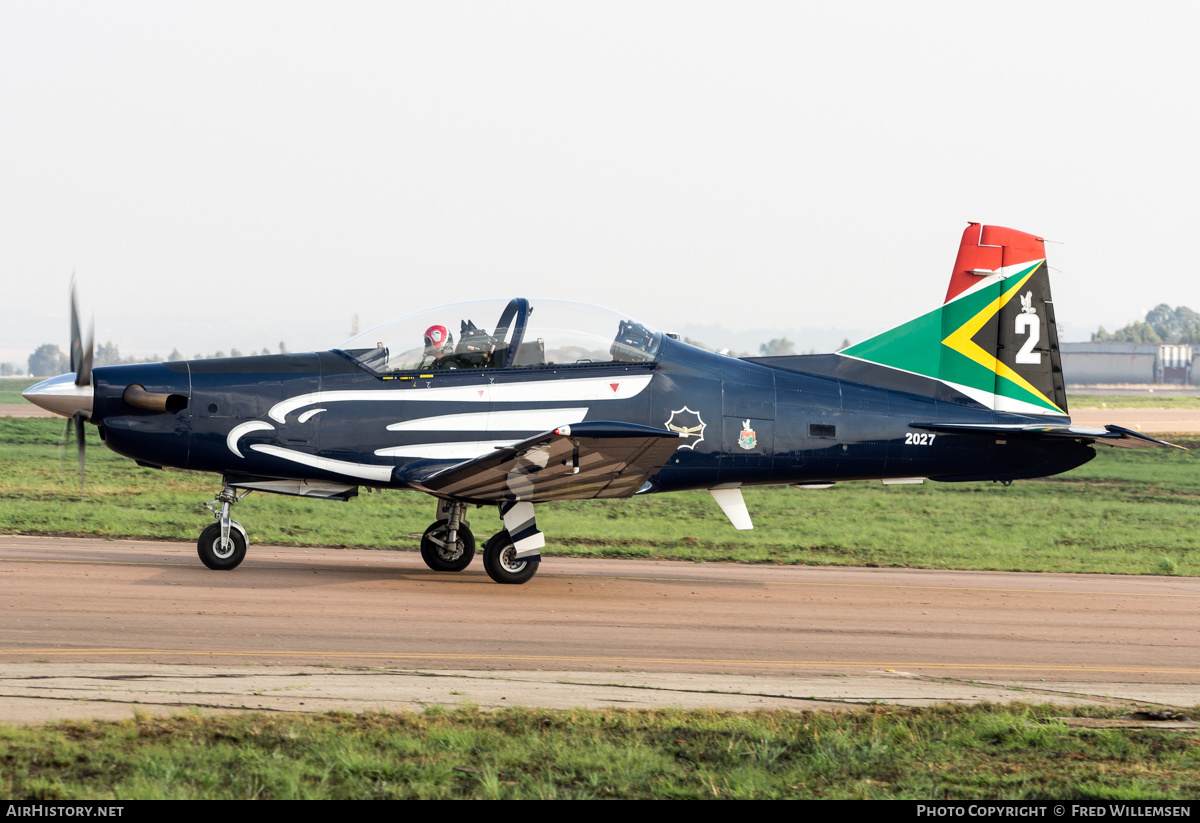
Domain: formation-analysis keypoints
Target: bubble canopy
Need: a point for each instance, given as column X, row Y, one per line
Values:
column 494, row 334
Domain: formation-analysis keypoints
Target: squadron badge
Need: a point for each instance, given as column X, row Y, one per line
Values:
column 747, row 439
column 688, row 423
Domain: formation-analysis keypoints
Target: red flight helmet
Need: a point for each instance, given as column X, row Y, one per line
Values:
column 438, row 340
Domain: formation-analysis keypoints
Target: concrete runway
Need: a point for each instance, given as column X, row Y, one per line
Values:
column 23, row 410
column 95, row 628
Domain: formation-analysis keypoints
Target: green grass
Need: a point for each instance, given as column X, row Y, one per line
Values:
column 1150, row 399
column 1014, row 752
column 11, row 388
column 1126, row 512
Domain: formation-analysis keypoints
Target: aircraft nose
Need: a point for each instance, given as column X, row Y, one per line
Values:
column 61, row 396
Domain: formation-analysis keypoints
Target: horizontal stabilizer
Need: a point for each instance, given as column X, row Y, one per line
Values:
column 1110, row 435
column 585, row 460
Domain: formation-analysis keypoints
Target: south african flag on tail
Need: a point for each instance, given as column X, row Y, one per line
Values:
column 995, row 338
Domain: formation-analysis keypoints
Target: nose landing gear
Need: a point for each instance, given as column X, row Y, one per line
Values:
column 222, row 546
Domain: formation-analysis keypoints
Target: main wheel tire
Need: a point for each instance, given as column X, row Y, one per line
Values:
column 216, row 556
column 447, row 558
column 500, row 561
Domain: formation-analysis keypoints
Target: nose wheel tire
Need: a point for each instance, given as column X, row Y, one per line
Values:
column 217, row 556
column 501, row 562
column 443, row 557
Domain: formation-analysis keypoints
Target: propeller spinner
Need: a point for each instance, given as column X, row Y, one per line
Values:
column 72, row 394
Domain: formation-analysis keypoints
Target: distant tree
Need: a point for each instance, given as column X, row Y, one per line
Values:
column 777, row 347
column 217, row 355
column 7, row 369
column 265, row 351
column 1163, row 324
column 696, row 343
column 235, row 353
column 48, row 360
column 1181, row 325
column 175, row 355
column 283, row 347
column 845, row 343
column 106, row 354
column 1133, row 333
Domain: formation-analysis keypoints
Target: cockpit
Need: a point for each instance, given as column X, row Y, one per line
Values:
column 497, row 334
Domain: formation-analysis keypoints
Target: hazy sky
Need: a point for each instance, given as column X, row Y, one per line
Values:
column 235, row 174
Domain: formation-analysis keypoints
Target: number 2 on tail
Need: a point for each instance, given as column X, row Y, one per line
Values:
column 1031, row 324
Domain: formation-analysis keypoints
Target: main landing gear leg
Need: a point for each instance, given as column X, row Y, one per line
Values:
column 222, row 546
column 513, row 555
column 448, row 545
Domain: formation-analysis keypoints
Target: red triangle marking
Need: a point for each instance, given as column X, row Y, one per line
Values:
column 614, row 386
column 481, row 392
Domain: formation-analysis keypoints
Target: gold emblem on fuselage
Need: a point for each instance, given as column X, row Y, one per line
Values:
column 681, row 421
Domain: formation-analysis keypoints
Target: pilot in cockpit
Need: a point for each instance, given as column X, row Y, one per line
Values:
column 439, row 346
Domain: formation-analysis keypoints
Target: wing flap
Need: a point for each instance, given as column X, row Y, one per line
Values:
column 1111, row 435
column 579, row 462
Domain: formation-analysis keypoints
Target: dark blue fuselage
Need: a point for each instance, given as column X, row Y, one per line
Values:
column 324, row 417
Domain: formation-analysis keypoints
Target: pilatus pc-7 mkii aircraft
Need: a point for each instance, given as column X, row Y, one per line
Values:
column 516, row 402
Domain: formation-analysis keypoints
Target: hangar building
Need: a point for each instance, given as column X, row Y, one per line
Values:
column 1145, row 363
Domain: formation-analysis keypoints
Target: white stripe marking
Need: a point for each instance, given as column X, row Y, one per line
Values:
column 533, row 391
column 464, row 450
column 1002, row 273
column 531, row 420
column 362, row 470
column 236, row 433
column 992, row 401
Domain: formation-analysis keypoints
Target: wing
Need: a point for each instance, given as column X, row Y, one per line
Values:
column 1110, row 435
column 587, row 460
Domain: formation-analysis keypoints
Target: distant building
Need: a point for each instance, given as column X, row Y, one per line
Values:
column 1148, row 363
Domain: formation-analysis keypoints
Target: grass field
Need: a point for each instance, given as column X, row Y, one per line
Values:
column 1128, row 512
column 11, row 388
column 1148, row 400
column 989, row 752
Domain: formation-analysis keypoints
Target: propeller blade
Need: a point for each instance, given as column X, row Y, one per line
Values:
column 82, row 348
column 80, row 443
column 83, row 377
column 76, row 336
column 66, row 438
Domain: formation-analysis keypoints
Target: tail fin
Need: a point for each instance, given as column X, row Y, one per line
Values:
column 994, row 339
